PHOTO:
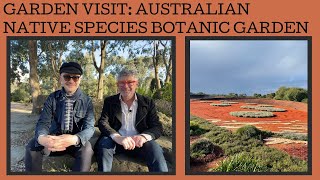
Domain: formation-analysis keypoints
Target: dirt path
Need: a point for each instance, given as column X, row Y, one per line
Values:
column 22, row 125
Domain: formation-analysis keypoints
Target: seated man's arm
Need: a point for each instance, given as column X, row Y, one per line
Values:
column 44, row 122
column 88, row 125
column 155, row 127
column 103, row 123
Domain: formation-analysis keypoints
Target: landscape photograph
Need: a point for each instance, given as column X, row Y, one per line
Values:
column 249, row 106
column 33, row 74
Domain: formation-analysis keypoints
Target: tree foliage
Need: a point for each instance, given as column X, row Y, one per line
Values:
column 101, row 60
column 291, row 94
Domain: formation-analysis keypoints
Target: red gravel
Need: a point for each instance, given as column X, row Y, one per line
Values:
column 296, row 150
column 293, row 120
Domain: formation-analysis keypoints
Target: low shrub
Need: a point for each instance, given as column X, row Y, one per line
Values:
column 229, row 102
column 166, row 122
column 292, row 136
column 21, row 95
column 164, row 106
column 278, row 161
column 253, row 132
column 252, row 103
column 248, row 107
column 305, row 100
column 220, row 105
column 195, row 130
column 241, row 162
column 270, row 109
column 264, row 105
column 260, row 108
column 253, row 157
column 203, row 151
column 252, row 114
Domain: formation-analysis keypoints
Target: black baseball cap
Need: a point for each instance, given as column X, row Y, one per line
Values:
column 71, row 68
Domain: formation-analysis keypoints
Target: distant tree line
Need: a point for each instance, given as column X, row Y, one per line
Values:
column 283, row 93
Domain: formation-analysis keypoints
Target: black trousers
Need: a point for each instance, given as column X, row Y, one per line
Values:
column 34, row 156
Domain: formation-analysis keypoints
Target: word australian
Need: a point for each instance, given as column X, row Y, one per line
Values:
column 124, row 8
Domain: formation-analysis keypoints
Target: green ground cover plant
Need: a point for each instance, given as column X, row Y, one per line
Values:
column 252, row 114
column 221, row 105
column 244, row 150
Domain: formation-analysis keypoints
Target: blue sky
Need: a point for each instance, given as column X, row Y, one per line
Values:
column 247, row 66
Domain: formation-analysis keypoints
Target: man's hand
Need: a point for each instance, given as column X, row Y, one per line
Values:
column 139, row 140
column 50, row 142
column 127, row 142
column 58, row 143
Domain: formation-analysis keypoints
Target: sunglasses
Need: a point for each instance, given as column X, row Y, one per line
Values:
column 68, row 78
column 123, row 83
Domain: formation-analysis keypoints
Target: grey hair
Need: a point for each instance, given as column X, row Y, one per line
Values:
column 127, row 72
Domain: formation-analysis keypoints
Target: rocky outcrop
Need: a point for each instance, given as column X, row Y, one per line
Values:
column 121, row 162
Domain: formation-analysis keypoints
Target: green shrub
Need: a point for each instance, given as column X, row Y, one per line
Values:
column 204, row 150
column 291, row 94
column 167, row 92
column 166, row 122
column 280, row 93
column 278, row 161
column 296, row 94
column 164, row 106
column 196, row 130
column 305, row 100
column 21, row 95
column 145, row 91
column 242, row 162
column 253, row 157
column 253, row 132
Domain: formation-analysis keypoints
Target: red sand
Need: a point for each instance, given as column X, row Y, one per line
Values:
column 293, row 120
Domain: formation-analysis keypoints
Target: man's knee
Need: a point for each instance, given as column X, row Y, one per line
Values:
column 153, row 146
column 106, row 143
column 87, row 149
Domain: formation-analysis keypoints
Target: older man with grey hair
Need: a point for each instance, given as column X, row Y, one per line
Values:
column 129, row 124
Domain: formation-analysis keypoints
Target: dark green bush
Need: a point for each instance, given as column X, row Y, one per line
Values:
column 21, row 95
column 195, row 130
column 167, row 92
column 291, row 94
column 204, row 150
column 253, row 132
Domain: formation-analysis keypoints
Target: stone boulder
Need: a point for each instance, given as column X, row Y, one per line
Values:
column 121, row 162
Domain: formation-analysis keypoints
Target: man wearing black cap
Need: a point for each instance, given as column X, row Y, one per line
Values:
column 65, row 125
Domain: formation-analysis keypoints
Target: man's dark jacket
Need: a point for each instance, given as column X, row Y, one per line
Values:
column 83, row 118
column 147, row 120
